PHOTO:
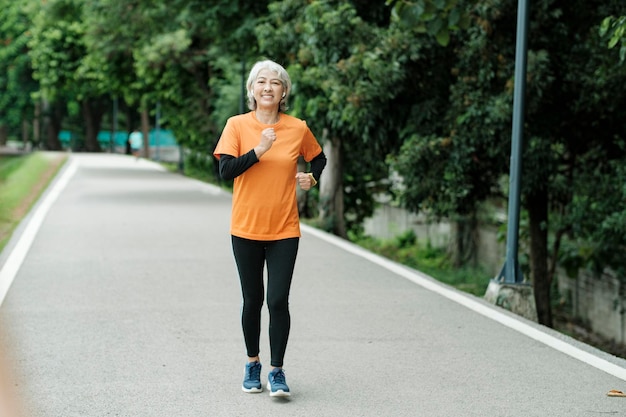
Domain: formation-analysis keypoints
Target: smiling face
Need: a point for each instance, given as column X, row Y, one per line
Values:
column 268, row 90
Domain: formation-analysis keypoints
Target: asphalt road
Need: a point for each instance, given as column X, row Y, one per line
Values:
column 126, row 303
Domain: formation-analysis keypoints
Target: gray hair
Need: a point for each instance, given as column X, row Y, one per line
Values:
column 282, row 76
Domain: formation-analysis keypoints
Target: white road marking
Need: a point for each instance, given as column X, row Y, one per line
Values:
column 18, row 254
column 465, row 300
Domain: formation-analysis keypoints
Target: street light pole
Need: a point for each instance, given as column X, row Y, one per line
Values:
column 511, row 273
column 157, row 130
column 242, row 99
column 114, row 126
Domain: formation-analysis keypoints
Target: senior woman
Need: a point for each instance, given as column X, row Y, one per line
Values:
column 260, row 151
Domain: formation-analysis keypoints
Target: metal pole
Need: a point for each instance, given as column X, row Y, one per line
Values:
column 114, row 127
column 511, row 272
column 157, row 126
column 242, row 100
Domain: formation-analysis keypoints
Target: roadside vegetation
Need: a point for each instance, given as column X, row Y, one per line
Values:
column 23, row 178
column 436, row 262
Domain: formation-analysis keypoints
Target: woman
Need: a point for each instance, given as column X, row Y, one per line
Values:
column 260, row 150
column 135, row 140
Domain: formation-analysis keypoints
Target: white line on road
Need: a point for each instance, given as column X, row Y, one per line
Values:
column 18, row 254
column 487, row 311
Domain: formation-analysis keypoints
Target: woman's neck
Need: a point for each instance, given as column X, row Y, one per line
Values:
column 267, row 117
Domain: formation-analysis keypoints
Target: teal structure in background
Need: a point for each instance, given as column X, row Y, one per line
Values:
column 161, row 138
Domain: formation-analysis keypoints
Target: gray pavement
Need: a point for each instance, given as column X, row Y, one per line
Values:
column 127, row 304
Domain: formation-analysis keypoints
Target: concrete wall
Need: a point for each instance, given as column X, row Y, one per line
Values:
column 597, row 301
column 389, row 221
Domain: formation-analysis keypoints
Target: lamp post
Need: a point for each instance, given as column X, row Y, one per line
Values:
column 242, row 100
column 114, row 127
column 511, row 273
column 157, row 129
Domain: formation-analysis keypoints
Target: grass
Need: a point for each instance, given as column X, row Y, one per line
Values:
column 406, row 250
column 23, row 178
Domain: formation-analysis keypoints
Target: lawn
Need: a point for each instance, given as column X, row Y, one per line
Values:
column 23, row 178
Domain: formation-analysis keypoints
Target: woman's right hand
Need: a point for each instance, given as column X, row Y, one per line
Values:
column 268, row 136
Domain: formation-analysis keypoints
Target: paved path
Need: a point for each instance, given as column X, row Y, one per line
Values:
column 127, row 304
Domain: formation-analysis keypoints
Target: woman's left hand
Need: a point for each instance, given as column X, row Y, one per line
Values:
column 305, row 181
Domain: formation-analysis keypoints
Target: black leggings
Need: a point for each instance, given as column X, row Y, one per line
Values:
column 251, row 256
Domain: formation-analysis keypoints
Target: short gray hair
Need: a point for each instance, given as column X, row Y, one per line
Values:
column 277, row 69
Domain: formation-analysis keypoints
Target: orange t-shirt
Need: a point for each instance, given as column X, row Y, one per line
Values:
column 264, row 196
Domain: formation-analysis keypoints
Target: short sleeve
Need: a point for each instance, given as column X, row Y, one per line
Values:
column 229, row 143
column 310, row 147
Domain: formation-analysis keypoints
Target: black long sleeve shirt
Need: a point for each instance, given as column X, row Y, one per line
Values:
column 231, row 167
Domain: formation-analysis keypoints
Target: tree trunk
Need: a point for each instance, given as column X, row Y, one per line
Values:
column 331, row 189
column 465, row 241
column 36, row 126
column 145, row 129
column 53, row 117
column 131, row 124
column 538, row 228
column 25, row 131
column 114, row 128
column 92, row 115
column 3, row 134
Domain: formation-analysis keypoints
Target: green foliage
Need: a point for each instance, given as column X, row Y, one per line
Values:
column 198, row 165
column 596, row 218
column 178, row 54
column 451, row 166
column 614, row 28
column 437, row 18
column 57, row 48
column 406, row 239
column 16, row 83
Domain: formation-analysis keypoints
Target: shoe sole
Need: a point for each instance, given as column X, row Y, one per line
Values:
column 252, row 390
column 279, row 393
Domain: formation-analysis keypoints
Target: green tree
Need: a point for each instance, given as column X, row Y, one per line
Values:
column 426, row 134
column 16, row 82
column 58, row 52
column 436, row 18
column 179, row 54
column 574, row 119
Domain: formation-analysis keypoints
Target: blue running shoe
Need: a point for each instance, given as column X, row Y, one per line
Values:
column 252, row 378
column 276, row 384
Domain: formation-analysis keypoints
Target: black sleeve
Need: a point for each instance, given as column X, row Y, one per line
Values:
column 317, row 165
column 231, row 167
